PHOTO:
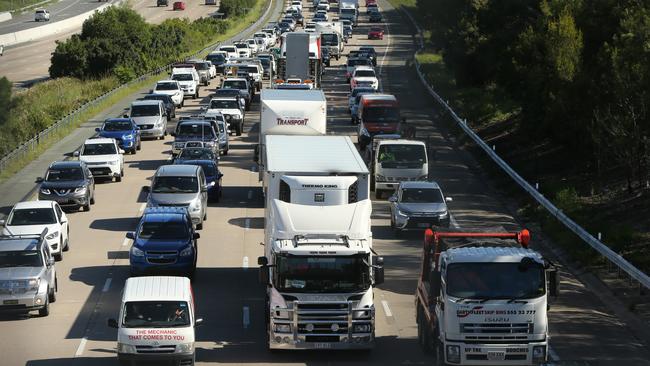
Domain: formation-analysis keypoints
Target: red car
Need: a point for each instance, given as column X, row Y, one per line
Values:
column 368, row 2
column 376, row 33
column 179, row 5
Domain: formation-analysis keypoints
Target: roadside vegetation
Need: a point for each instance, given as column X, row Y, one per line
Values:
column 560, row 88
column 11, row 5
column 114, row 47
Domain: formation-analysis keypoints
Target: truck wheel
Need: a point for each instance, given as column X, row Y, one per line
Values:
column 424, row 336
column 45, row 311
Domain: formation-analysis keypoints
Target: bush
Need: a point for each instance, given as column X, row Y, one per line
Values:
column 235, row 8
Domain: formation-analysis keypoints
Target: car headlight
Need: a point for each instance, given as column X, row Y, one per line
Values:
column 539, row 353
column 184, row 347
column 136, row 252
column 443, row 215
column 127, row 137
column 209, row 143
column 196, row 206
column 187, row 251
column 362, row 328
column 282, row 328
column 212, row 184
column 34, row 283
column 403, row 213
column 52, row 236
column 80, row 189
column 114, row 162
column 45, row 191
column 453, row 353
column 125, row 348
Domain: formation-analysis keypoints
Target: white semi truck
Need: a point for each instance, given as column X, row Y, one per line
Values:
column 319, row 276
column 482, row 299
column 313, row 170
column 290, row 112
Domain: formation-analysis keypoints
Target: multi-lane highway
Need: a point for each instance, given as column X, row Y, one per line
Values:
column 59, row 11
column 29, row 62
column 228, row 296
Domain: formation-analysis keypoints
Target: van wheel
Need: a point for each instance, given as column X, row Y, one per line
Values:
column 45, row 311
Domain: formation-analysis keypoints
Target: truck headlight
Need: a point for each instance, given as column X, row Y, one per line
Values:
column 184, row 348
column 125, row 348
column 52, row 236
column 453, row 353
column 136, row 252
column 362, row 328
column 282, row 328
column 187, row 251
column 539, row 353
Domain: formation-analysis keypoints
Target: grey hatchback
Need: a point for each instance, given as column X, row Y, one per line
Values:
column 69, row 183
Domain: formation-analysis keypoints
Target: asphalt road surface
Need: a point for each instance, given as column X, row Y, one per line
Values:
column 60, row 10
column 92, row 273
column 29, row 62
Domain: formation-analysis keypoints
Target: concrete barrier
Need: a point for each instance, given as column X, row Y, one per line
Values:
column 50, row 29
column 5, row 16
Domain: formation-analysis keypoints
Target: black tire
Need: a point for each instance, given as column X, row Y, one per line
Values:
column 67, row 245
column 119, row 178
column 238, row 129
column 424, row 335
column 225, row 152
column 199, row 226
column 92, row 199
column 51, row 296
column 58, row 256
column 45, row 310
column 139, row 145
column 372, row 182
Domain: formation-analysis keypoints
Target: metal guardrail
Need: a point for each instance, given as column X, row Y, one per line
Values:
column 634, row 273
column 33, row 143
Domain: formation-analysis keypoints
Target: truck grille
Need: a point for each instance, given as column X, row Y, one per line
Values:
column 159, row 349
column 323, row 319
column 503, row 331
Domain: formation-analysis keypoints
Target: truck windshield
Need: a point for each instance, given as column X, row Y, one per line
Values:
column 146, row 110
column 99, row 149
column 329, row 39
column 20, row 258
column 421, row 195
column 380, row 114
column 322, row 274
column 163, row 230
column 175, row 185
column 495, row 280
column 401, row 156
column 156, row 314
column 32, row 216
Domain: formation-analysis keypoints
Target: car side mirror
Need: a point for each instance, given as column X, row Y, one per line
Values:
column 173, row 134
column 63, row 221
column 39, row 180
column 150, row 91
column 392, row 199
column 97, row 129
column 198, row 322
column 2, row 222
column 112, row 323
column 553, row 282
column 146, row 189
column 75, row 154
column 378, row 270
column 50, row 262
column 130, row 235
column 125, row 115
column 449, row 199
column 196, row 235
column 122, row 151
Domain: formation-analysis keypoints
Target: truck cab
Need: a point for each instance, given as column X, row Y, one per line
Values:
column 397, row 160
column 482, row 299
column 378, row 114
column 319, row 277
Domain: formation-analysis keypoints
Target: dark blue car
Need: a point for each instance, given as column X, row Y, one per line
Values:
column 164, row 242
column 124, row 130
column 212, row 176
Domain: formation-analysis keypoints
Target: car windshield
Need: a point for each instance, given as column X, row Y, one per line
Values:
column 99, row 149
column 64, row 175
column 322, row 274
column 167, row 86
column 367, row 49
column 216, row 58
column 146, row 110
column 175, row 185
column 195, row 129
column 32, row 216
column 161, row 97
column 524, row 280
column 241, row 45
column 202, row 66
column 20, row 258
column 348, row 11
column 401, row 156
column 196, row 153
column 421, row 195
column 163, row 230
column 156, row 314
column 234, row 84
column 249, row 69
column 364, row 74
column 182, row 77
column 118, row 126
column 224, row 104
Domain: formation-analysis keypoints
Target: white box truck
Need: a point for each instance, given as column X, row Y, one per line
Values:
column 290, row 112
column 392, row 161
column 331, row 37
column 319, row 275
column 314, row 170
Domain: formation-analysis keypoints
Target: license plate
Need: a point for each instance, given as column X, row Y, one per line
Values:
column 424, row 224
column 496, row 356
column 10, row 302
column 322, row 345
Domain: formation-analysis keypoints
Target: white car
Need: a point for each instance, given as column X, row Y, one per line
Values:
column 263, row 36
column 230, row 50
column 32, row 217
column 364, row 76
column 297, row 4
column 323, row 4
column 41, row 15
column 252, row 44
column 189, row 81
column 171, row 88
column 103, row 157
column 212, row 70
column 243, row 50
column 271, row 33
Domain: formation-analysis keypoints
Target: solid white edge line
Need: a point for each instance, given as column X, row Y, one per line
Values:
column 247, row 223
column 387, row 311
column 245, row 262
column 125, row 242
column 107, row 284
column 383, row 57
column 82, row 345
column 552, row 354
column 246, row 317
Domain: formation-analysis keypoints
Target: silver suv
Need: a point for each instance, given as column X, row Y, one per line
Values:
column 27, row 274
column 180, row 186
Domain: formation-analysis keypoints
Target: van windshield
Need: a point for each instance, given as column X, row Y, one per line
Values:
column 175, row 185
column 145, row 110
column 156, row 314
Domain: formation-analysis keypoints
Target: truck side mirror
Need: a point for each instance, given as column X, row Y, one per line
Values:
column 198, row 322
column 264, row 275
column 553, row 283
column 262, row 261
column 112, row 323
column 378, row 270
column 434, row 283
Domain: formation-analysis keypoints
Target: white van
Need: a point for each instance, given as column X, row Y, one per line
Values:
column 156, row 321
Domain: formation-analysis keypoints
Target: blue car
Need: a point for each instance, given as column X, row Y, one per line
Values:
column 212, row 176
column 164, row 242
column 124, row 130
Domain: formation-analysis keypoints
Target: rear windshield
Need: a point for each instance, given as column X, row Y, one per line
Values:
column 167, row 86
column 358, row 61
column 145, row 110
column 118, row 126
column 228, row 49
column 32, row 216
column 156, row 314
column 381, row 114
column 64, row 175
column 167, row 230
column 99, row 149
column 20, row 258
column 175, row 185
column 216, row 58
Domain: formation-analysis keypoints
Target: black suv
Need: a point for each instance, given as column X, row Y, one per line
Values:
column 69, row 183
